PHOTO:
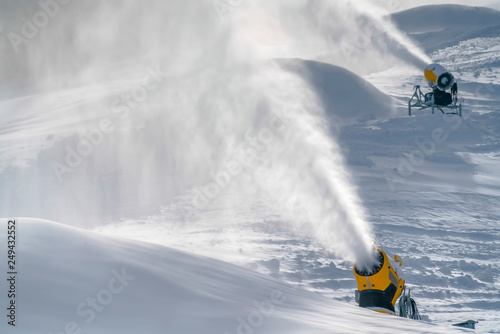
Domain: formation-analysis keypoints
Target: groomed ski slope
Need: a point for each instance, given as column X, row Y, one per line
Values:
column 440, row 215
column 71, row 280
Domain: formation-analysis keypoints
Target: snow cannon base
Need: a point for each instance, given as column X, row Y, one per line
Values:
column 379, row 286
column 435, row 100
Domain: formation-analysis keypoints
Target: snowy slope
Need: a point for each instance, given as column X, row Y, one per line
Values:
column 441, row 17
column 437, row 26
column 372, row 148
column 80, row 280
column 476, row 60
column 439, row 212
column 344, row 94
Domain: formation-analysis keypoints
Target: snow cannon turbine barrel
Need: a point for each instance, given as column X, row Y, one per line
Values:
column 438, row 77
column 380, row 286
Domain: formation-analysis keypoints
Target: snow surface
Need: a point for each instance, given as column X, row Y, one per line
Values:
column 432, row 201
column 340, row 91
column 89, row 283
column 438, row 26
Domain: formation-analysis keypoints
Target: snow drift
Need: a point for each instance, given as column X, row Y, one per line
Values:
column 438, row 26
column 346, row 97
column 71, row 280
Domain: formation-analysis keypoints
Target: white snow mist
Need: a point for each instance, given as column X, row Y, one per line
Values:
column 217, row 89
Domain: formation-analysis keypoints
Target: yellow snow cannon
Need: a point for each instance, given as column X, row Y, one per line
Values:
column 380, row 285
column 438, row 77
column 444, row 95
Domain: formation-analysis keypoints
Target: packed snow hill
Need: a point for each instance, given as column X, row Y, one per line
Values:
column 429, row 184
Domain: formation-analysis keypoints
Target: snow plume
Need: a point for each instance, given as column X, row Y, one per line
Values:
column 354, row 34
column 180, row 93
column 301, row 172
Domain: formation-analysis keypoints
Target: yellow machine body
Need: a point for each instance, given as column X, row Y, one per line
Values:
column 438, row 77
column 379, row 287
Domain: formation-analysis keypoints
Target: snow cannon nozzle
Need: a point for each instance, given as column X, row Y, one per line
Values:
column 379, row 284
column 370, row 265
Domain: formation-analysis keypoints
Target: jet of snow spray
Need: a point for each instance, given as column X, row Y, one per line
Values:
column 218, row 85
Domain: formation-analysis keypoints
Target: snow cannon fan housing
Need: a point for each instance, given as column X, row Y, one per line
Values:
column 438, row 77
column 380, row 286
